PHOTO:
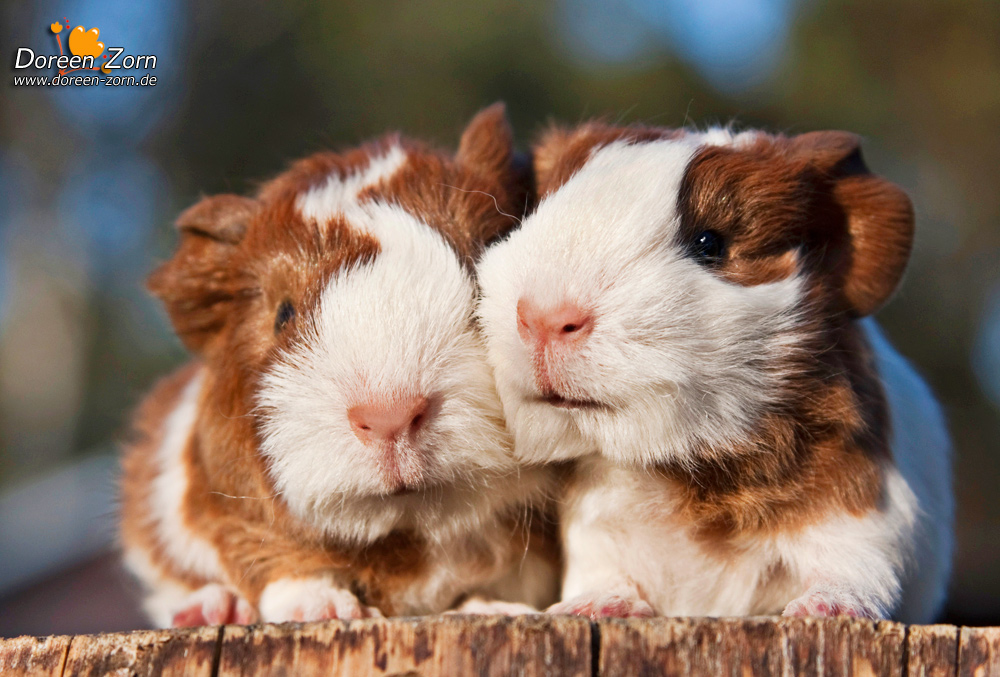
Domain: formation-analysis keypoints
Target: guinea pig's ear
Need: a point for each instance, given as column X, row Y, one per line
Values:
column 198, row 286
column 487, row 145
column 487, row 151
column 878, row 216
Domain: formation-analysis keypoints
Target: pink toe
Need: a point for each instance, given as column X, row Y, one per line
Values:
column 191, row 617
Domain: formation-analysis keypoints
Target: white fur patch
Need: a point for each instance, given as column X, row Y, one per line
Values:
column 185, row 549
column 863, row 556
column 338, row 193
column 308, row 599
column 677, row 355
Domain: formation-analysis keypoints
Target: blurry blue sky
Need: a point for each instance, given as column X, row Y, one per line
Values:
column 108, row 206
column 734, row 44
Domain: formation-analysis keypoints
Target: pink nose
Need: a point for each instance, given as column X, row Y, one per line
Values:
column 386, row 421
column 565, row 324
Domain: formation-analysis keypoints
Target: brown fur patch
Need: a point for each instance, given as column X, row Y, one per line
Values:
column 823, row 451
column 783, row 204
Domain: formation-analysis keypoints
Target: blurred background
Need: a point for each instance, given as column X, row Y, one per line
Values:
column 91, row 180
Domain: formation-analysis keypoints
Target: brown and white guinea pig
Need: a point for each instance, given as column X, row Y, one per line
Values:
column 337, row 447
column 683, row 314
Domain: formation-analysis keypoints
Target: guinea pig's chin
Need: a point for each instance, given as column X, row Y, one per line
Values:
column 637, row 432
column 438, row 512
column 542, row 432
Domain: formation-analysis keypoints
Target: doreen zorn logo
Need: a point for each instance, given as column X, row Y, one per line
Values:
column 86, row 58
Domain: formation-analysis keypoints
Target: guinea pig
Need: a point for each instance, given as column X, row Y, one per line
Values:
column 336, row 448
column 685, row 315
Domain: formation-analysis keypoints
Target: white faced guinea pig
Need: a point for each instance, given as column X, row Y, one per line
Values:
column 337, row 448
column 682, row 314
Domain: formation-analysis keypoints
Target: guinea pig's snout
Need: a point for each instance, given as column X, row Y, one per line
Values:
column 566, row 324
column 381, row 422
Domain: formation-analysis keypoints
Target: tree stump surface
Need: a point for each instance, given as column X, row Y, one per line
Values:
column 553, row 646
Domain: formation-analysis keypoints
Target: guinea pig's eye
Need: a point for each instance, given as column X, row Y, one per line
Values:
column 285, row 314
column 708, row 247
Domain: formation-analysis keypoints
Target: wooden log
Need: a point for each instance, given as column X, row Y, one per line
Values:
column 33, row 656
column 757, row 646
column 442, row 645
column 979, row 652
column 932, row 651
column 136, row 654
column 526, row 645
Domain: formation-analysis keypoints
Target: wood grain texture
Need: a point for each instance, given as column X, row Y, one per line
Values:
column 932, row 651
column 33, row 655
column 138, row 654
column 979, row 652
column 442, row 645
column 752, row 646
column 526, row 645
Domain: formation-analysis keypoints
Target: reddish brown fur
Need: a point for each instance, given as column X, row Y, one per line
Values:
column 784, row 206
column 238, row 260
column 139, row 470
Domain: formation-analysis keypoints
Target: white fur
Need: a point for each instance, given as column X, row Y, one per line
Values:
column 309, row 599
column 477, row 606
column 188, row 551
column 679, row 357
column 401, row 324
column 331, row 198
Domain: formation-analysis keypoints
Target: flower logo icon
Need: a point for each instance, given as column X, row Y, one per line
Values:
column 85, row 43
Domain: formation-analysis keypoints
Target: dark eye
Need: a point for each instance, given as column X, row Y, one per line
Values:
column 286, row 313
column 708, row 247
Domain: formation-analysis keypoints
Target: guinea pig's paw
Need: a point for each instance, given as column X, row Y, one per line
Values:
column 310, row 599
column 822, row 601
column 618, row 604
column 213, row 604
column 478, row 606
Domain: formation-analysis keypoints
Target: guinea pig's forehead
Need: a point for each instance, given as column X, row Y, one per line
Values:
column 621, row 183
column 282, row 242
column 339, row 188
column 746, row 178
column 448, row 200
